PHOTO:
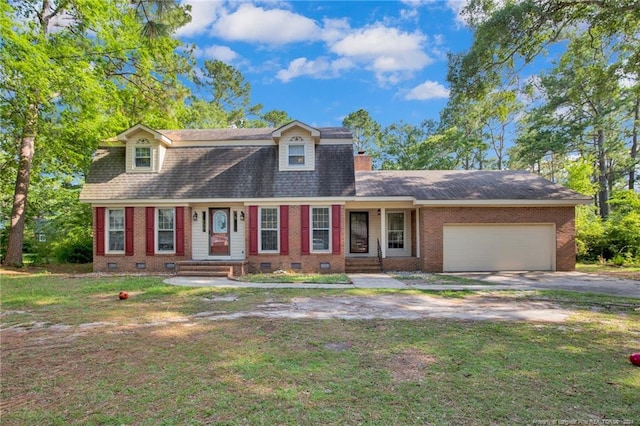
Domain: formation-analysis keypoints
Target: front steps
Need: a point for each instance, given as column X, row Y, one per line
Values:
column 362, row 265
column 203, row 269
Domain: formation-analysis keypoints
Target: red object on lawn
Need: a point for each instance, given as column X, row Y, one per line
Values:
column 635, row 358
column 123, row 295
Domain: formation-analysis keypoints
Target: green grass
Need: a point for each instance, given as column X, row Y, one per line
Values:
column 290, row 277
column 148, row 367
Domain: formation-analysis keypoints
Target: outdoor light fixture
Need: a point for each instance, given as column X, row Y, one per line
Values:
column 378, row 212
column 242, row 216
column 195, row 216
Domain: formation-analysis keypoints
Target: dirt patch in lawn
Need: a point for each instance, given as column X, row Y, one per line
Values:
column 402, row 307
column 411, row 365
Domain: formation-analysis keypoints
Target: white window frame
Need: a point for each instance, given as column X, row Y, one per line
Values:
column 137, row 157
column 291, row 155
column 403, row 230
column 276, row 230
column 109, row 230
column 159, row 229
column 312, row 229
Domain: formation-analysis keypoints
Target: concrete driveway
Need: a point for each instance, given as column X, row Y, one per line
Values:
column 572, row 281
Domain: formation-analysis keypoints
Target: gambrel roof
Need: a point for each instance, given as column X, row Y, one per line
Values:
column 232, row 172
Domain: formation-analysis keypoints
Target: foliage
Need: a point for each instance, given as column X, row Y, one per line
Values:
column 365, row 130
column 618, row 237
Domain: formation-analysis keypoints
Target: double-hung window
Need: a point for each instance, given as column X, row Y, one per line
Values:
column 395, row 226
column 115, row 231
column 269, row 229
column 143, row 157
column 166, row 230
column 320, row 228
column 296, row 155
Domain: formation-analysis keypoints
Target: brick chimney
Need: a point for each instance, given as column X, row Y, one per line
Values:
column 362, row 162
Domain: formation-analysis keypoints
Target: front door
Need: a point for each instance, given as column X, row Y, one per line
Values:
column 219, row 232
column 359, row 231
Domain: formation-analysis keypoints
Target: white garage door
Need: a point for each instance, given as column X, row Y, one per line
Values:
column 515, row 247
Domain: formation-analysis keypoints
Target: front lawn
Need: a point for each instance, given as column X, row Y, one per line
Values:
column 72, row 353
column 292, row 277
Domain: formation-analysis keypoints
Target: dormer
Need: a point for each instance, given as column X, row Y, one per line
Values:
column 296, row 146
column 145, row 149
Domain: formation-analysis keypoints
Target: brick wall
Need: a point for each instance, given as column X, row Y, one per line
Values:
column 307, row 263
column 155, row 263
column 434, row 218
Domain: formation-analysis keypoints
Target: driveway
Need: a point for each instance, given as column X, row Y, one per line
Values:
column 571, row 281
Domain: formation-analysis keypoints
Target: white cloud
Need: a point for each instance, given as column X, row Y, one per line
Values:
column 275, row 26
column 319, row 68
column 391, row 53
column 222, row 53
column 203, row 15
column 427, row 90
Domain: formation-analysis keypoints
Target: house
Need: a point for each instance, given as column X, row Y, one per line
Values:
column 296, row 198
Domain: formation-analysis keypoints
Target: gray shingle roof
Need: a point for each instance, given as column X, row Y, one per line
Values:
column 461, row 185
column 244, row 134
column 221, row 172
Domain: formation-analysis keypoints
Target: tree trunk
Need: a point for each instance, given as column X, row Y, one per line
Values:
column 634, row 145
column 18, row 211
column 603, row 181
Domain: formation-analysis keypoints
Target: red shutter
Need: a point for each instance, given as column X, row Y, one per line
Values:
column 150, row 215
column 179, row 231
column 128, row 231
column 304, row 231
column 335, row 228
column 100, row 230
column 253, row 229
column 284, row 229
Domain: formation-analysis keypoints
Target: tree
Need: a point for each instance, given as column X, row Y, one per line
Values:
column 73, row 72
column 511, row 34
column 276, row 118
column 228, row 90
column 365, row 130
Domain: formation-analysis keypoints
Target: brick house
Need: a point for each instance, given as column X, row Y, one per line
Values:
column 296, row 198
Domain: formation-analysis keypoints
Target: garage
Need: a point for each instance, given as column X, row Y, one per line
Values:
column 503, row 247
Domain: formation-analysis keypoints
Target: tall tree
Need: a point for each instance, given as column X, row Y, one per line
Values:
column 365, row 130
column 72, row 72
column 228, row 90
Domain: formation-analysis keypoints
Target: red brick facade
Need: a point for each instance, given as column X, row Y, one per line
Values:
column 139, row 261
column 432, row 220
column 295, row 260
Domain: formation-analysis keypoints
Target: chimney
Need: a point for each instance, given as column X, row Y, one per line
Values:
column 361, row 162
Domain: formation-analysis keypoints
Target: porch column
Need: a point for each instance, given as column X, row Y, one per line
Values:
column 417, row 236
column 383, row 231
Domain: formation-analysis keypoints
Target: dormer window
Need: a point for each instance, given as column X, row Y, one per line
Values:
column 142, row 154
column 296, row 154
column 143, row 157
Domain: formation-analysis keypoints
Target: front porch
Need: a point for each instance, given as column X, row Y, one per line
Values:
column 382, row 238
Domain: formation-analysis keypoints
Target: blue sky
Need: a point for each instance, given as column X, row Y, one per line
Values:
column 321, row 60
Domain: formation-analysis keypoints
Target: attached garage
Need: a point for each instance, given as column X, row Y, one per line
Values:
column 499, row 247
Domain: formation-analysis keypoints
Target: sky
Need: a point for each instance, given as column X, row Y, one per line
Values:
column 321, row 60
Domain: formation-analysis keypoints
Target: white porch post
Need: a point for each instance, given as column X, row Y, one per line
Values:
column 417, row 236
column 383, row 232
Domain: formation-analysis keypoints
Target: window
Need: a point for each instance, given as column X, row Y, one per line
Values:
column 320, row 228
column 143, row 157
column 395, row 236
column 269, row 229
column 166, row 230
column 296, row 155
column 115, row 231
